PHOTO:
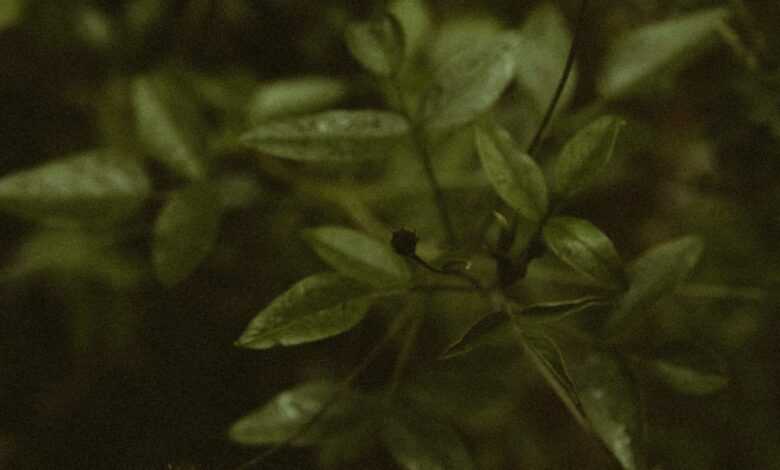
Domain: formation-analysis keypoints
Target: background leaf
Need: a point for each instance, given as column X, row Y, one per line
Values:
column 91, row 188
column 185, row 232
column 359, row 256
column 584, row 247
column 470, row 82
column 655, row 273
column 584, row 156
column 514, row 175
column 317, row 307
column 492, row 328
column 688, row 370
column 292, row 96
column 331, row 136
column 10, row 13
column 645, row 52
column 169, row 125
column 552, row 311
column 378, row 45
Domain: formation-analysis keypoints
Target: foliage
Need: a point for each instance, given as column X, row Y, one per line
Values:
column 451, row 224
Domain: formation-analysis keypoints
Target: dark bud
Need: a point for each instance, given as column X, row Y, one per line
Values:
column 404, row 242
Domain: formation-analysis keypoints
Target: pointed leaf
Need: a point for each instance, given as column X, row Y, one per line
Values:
column 647, row 51
column 514, row 175
column 552, row 311
column 359, row 256
column 332, row 136
column 422, row 443
column 689, row 370
column 289, row 413
column 185, row 232
column 317, row 307
column 94, row 187
column 585, row 248
column 294, row 96
column 610, row 400
column 470, row 82
column 655, row 273
column 584, row 156
column 415, row 20
column 542, row 57
column 377, row 45
column 491, row 329
column 169, row 125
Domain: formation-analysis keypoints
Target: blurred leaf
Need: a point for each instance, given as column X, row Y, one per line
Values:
column 317, row 307
column 331, row 136
column 514, row 175
column 93, row 187
column 655, row 273
column 490, row 329
column 610, row 400
column 291, row 96
column 169, row 125
column 584, row 156
column 10, row 13
column 584, row 247
column 423, row 443
column 548, row 360
column 288, row 414
column 645, row 52
column 377, row 45
column 552, row 311
column 456, row 34
column 688, row 370
column 359, row 256
column 470, row 82
column 541, row 57
column 415, row 20
column 185, row 232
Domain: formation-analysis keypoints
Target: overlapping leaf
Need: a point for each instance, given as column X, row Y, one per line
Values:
column 294, row 96
column 377, row 45
column 688, row 370
column 490, row 329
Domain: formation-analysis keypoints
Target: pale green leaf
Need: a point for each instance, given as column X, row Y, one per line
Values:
column 610, row 401
column 456, row 34
column 332, row 136
column 541, row 57
column 490, row 329
column 96, row 188
column 584, row 156
column 655, row 273
column 289, row 413
column 359, row 256
column 317, row 307
column 470, row 82
column 423, row 443
column 292, row 96
column 585, row 248
column 169, row 125
column 415, row 20
column 513, row 173
column 688, row 370
column 185, row 232
column 378, row 45
column 652, row 49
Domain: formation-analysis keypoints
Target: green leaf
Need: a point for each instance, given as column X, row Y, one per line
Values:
column 655, row 273
column 514, row 174
column 542, row 57
column 490, row 329
column 169, row 125
column 95, row 188
column 470, row 82
column 359, row 256
column 423, row 443
column 647, row 51
column 548, row 360
column 294, row 96
column 584, row 156
column 185, row 232
column 610, row 401
column 317, row 307
column 553, row 311
column 585, row 248
column 10, row 13
column 688, row 370
column 415, row 20
column 377, row 45
column 332, row 136
column 290, row 412
column 455, row 34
